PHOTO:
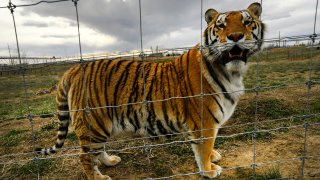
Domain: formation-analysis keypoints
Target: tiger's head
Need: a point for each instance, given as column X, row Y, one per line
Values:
column 231, row 37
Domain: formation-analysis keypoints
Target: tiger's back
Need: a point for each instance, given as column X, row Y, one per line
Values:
column 117, row 93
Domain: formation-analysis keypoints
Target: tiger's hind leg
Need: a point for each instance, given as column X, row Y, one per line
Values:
column 90, row 161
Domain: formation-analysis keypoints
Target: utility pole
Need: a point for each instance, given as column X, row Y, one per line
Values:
column 279, row 40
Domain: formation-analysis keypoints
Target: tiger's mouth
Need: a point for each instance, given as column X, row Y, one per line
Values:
column 236, row 53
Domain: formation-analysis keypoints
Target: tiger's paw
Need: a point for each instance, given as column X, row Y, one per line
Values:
column 214, row 172
column 96, row 175
column 102, row 177
column 113, row 160
column 215, row 156
column 109, row 160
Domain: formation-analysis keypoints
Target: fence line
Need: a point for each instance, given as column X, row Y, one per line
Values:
column 248, row 90
column 3, row 162
column 219, row 136
column 257, row 90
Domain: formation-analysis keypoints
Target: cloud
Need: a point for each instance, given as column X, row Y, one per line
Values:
column 35, row 24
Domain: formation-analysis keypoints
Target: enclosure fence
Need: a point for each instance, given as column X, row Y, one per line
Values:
column 22, row 68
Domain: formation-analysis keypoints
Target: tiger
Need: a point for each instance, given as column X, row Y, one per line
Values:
column 100, row 97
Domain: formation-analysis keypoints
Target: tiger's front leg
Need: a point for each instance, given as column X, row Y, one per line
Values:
column 205, row 155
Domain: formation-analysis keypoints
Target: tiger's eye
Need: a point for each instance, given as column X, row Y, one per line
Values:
column 247, row 22
column 221, row 26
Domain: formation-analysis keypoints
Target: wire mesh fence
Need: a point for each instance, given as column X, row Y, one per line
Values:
column 279, row 78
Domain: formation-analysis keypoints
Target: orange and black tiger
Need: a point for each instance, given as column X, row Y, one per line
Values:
column 229, row 39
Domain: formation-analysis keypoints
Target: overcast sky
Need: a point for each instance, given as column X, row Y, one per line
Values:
column 113, row 25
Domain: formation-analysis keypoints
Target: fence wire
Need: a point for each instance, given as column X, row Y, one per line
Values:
column 8, row 159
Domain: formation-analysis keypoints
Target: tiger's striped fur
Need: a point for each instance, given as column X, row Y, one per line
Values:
column 110, row 83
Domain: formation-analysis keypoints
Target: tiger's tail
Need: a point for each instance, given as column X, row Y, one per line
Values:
column 63, row 117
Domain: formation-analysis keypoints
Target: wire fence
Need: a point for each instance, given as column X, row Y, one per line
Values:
column 296, row 121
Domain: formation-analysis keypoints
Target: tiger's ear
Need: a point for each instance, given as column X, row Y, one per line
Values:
column 210, row 14
column 256, row 9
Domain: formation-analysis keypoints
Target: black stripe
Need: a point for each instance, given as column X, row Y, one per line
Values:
column 63, row 116
column 105, row 93
column 147, row 71
column 214, row 77
column 185, row 109
column 101, row 125
column 62, row 136
column 213, row 116
column 214, row 41
column 173, row 81
column 94, row 138
column 178, row 121
column 95, row 87
column 132, row 122
column 134, row 89
column 220, row 69
column 136, row 119
column 63, row 128
column 161, row 129
column 57, row 146
column 110, row 73
column 127, row 70
column 85, row 148
column 135, row 84
column 99, row 122
column 151, row 118
column 97, row 139
column 114, row 69
column 118, row 65
column 193, row 142
column 255, row 36
column 171, row 126
column 206, row 41
column 93, row 73
column 170, row 81
column 164, row 111
column 52, row 151
column 215, row 99
column 154, row 78
column 152, row 133
column 188, row 83
column 181, row 63
column 122, row 122
column 86, row 93
column 77, row 91
column 182, row 70
column 161, row 80
column 63, row 107
column 61, row 97
column 119, row 81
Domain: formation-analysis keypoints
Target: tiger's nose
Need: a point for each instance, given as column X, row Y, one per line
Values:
column 235, row 37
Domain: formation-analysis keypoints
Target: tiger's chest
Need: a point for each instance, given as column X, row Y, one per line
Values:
column 235, row 89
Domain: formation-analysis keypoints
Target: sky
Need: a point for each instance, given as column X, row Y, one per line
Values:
column 113, row 25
